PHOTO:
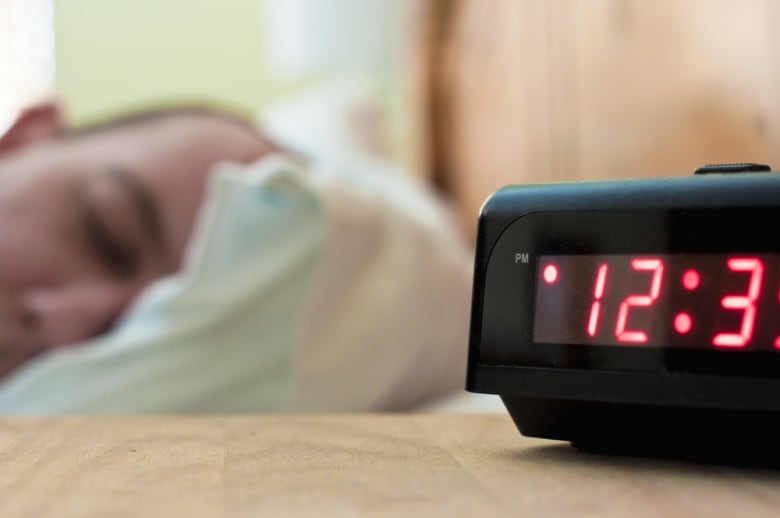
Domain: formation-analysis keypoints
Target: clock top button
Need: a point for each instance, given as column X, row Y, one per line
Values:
column 733, row 168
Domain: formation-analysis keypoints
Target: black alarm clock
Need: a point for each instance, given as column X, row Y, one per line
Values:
column 638, row 316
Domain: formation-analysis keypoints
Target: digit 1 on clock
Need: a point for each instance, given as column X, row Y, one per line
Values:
column 598, row 292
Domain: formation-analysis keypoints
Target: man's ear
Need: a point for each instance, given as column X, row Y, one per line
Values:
column 36, row 123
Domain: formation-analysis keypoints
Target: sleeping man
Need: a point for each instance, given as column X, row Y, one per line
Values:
column 179, row 261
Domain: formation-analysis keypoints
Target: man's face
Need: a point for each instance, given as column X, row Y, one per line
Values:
column 86, row 222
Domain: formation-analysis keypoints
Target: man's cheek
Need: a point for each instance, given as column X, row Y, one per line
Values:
column 14, row 356
column 31, row 257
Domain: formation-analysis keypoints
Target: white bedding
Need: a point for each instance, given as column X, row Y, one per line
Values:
column 305, row 289
column 462, row 402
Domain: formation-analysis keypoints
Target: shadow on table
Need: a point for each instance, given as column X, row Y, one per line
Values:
column 767, row 465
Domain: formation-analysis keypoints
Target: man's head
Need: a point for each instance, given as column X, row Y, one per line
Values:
column 89, row 218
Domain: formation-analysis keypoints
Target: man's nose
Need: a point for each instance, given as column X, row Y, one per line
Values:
column 71, row 313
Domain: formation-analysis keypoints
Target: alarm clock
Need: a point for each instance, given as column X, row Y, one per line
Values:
column 638, row 316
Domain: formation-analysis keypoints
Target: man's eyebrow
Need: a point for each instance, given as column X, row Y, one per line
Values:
column 144, row 206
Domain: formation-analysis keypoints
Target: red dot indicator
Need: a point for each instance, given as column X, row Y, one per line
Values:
column 683, row 323
column 691, row 280
column 550, row 273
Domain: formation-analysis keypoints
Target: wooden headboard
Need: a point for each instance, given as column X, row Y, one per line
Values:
column 549, row 90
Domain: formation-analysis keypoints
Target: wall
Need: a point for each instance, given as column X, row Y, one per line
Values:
column 121, row 54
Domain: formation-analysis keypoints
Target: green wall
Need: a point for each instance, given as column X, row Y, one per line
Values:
column 122, row 54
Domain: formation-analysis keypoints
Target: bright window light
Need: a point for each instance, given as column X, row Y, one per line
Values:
column 26, row 55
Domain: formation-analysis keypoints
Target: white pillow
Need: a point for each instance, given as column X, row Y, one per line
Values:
column 388, row 324
column 304, row 290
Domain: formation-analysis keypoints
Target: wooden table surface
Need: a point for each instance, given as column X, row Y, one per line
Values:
column 361, row 465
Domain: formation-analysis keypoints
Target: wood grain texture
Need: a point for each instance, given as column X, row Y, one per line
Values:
column 362, row 465
column 551, row 90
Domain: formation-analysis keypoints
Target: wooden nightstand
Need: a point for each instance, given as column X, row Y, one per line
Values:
column 345, row 465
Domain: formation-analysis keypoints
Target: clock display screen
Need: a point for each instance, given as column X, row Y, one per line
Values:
column 690, row 301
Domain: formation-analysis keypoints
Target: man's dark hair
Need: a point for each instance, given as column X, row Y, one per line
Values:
column 158, row 113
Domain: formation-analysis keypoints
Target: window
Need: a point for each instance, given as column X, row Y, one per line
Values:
column 26, row 55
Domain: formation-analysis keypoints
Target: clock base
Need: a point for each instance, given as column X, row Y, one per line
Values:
column 735, row 437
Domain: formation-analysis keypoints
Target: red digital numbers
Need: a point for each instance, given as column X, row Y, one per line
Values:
column 643, row 301
column 624, row 335
column 745, row 303
column 687, row 315
column 598, row 292
column 777, row 340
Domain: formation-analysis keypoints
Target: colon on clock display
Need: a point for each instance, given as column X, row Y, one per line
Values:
column 711, row 301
